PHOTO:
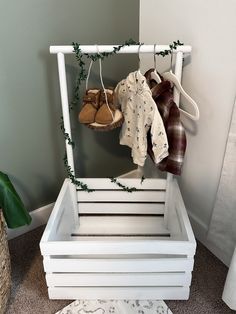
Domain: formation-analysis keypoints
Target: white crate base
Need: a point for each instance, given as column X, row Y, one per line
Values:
column 136, row 245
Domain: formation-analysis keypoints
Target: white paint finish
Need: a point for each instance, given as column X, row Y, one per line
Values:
column 65, row 107
column 58, row 210
column 121, row 196
column 106, row 184
column 110, row 48
column 119, row 279
column 39, row 217
column 118, row 225
column 121, row 208
column 204, row 25
column 93, row 265
column 93, row 247
column 116, row 293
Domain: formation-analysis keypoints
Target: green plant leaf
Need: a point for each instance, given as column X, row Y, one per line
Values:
column 12, row 206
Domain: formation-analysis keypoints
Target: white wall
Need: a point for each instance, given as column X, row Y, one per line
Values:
column 209, row 76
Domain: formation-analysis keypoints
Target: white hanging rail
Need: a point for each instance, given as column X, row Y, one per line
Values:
column 126, row 49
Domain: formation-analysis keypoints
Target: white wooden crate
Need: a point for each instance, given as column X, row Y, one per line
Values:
column 136, row 245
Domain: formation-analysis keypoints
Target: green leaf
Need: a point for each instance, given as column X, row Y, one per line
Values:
column 13, row 209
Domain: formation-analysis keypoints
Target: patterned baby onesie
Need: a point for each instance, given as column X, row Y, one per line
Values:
column 140, row 115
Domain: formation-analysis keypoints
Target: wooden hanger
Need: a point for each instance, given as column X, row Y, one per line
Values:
column 170, row 76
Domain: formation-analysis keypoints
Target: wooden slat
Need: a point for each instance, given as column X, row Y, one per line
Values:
column 121, row 225
column 121, row 208
column 116, row 293
column 71, row 265
column 106, row 184
column 121, row 196
column 112, row 247
column 121, row 279
column 121, row 237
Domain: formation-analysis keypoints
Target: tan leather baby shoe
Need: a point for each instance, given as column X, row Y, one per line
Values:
column 91, row 103
column 104, row 114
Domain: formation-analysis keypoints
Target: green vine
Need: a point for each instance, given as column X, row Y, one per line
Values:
column 172, row 46
column 124, row 187
column 76, row 182
column 142, row 179
column 82, row 75
column 66, row 135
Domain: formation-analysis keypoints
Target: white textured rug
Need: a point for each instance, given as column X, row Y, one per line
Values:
column 116, row 307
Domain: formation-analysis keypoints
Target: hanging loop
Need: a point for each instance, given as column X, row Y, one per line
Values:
column 139, row 56
column 154, row 57
column 171, row 59
column 88, row 75
column 103, row 87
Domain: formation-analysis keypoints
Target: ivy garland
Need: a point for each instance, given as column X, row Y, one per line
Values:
column 124, row 187
column 172, row 46
column 82, row 75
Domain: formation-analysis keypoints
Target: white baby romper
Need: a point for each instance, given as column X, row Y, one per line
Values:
column 140, row 114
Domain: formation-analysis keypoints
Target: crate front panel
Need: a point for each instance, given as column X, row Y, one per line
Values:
column 89, row 265
column 118, row 279
column 116, row 293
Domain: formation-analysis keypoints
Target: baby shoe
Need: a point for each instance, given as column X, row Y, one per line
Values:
column 105, row 113
column 91, row 102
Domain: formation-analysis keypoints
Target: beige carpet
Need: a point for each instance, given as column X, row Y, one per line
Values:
column 29, row 291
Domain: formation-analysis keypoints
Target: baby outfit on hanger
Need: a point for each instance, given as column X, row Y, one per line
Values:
column 140, row 115
column 162, row 93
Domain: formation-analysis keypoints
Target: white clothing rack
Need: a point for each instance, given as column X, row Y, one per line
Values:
column 92, row 249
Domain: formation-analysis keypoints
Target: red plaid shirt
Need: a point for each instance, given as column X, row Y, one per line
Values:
column 162, row 94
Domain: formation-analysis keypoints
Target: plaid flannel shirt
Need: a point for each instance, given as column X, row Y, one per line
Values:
column 162, row 94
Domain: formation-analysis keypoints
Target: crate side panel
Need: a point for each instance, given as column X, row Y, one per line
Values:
column 60, row 209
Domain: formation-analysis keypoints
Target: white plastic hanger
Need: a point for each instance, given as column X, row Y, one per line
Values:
column 154, row 75
column 170, row 76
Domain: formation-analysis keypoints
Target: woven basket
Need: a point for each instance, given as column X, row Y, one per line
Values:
column 5, row 270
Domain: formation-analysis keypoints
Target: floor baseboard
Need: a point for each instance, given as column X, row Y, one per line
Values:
column 200, row 230
column 39, row 217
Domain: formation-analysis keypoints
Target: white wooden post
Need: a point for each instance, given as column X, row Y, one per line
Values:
column 67, row 126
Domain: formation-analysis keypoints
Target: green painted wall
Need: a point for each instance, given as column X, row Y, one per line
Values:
column 31, row 144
